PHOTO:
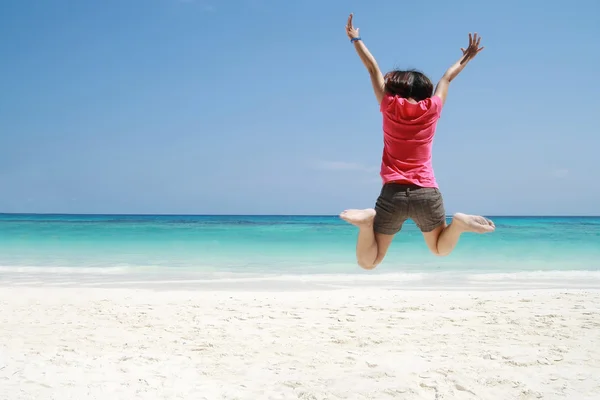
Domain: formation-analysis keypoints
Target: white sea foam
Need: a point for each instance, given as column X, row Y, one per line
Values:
column 188, row 278
column 41, row 270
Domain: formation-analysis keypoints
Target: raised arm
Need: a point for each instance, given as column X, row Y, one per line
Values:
column 367, row 59
column 441, row 89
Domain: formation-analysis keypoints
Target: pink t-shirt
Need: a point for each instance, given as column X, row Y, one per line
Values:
column 408, row 130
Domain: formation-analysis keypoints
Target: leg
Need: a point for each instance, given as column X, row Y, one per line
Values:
column 428, row 212
column 371, row 247
column 377, row 227
column 442, row 240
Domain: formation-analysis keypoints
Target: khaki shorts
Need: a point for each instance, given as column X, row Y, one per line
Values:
column 399, row 202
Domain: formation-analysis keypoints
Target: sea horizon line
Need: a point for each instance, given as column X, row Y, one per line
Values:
column 271, row 215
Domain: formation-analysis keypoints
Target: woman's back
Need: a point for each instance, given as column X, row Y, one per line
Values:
column 408, row 131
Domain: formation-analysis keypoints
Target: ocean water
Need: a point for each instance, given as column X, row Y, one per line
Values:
column 39, row 247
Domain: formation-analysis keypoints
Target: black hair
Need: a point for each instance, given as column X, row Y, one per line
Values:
column 408, row 84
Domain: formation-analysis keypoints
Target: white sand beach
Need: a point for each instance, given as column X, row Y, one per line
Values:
column 95, row 343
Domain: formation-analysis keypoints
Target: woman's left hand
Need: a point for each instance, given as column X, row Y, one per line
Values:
column 350, row 30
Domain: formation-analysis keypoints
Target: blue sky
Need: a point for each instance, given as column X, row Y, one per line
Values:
column 263, row 107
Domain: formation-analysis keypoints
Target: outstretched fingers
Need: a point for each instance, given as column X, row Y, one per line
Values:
column 474, row 42
column 478, row 43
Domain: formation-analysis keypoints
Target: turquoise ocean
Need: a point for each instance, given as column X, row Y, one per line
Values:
column 111, row 249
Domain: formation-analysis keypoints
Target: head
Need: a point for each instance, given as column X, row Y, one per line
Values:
column 408, row 84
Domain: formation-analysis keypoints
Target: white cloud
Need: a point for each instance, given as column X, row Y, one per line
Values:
column 343, row 166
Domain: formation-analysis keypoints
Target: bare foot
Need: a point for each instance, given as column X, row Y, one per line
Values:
column 473, row 223
column 359, row 217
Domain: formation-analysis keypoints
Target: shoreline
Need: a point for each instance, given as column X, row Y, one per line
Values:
column 166, row 280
